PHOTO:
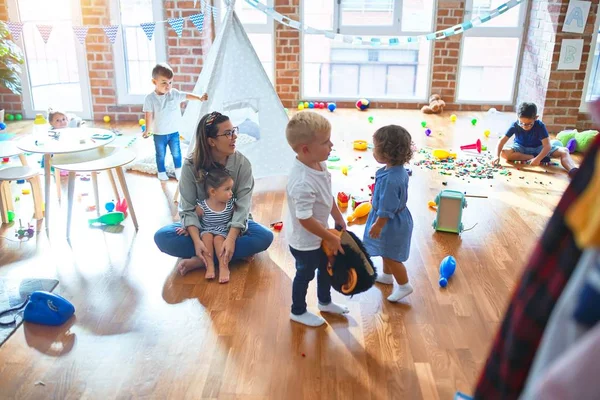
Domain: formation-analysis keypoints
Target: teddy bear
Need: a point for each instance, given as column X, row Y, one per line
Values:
column 436, row 105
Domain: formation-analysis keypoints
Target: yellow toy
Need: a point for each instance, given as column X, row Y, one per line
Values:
column 300, row 107
column 453, row 118
column 487, row 133
column 442, row 154
column 360, row 145
column 25, row 191
column 345, row 170
column 360, row 211
column 142, row 122
column 106, row 119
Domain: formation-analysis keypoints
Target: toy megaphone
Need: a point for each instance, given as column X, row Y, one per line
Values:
column 48, row 309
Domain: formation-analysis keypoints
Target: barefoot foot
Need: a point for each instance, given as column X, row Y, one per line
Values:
column 210, row 272
column 223, row 274
column 189, row 264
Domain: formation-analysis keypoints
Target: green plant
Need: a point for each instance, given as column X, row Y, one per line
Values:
column 11, row 59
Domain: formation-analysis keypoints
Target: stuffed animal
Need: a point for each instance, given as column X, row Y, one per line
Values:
column 352, row 272
column 436, row 105
column 583, row 139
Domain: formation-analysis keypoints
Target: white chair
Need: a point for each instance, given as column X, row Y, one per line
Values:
column 101, row 159
column 13, row 174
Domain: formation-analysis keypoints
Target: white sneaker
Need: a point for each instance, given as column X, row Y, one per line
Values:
column 178, row 173
column 163, row 176
column 400, row 292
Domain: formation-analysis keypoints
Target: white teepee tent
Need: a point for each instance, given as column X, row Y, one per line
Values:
column 238, row 86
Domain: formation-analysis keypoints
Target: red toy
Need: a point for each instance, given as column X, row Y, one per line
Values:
column 277, row 226
column 342, row 199
column 473, row 146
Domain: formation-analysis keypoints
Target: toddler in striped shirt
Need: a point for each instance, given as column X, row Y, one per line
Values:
column 215, row 213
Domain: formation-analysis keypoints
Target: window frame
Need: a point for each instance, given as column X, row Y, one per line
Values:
column 119, row 54
column 583, row 107
column 482, row 31
column 392, row 30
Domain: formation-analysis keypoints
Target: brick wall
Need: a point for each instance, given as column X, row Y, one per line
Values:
column 10, row 102
column 557, row 93
column 183, row 54
column 287, row 54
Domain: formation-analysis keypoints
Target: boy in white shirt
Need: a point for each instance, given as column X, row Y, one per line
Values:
column 163, row 116
column 310, row 202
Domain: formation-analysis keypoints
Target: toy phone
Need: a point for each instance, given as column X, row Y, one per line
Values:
column 101, row 136
column 47, row 309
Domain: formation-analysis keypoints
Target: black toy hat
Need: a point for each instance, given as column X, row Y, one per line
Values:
column 352, row 272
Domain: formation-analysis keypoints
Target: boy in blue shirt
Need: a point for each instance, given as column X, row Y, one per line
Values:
column 532, row 142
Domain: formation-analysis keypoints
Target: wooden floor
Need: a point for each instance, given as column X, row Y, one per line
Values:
column 142, row 331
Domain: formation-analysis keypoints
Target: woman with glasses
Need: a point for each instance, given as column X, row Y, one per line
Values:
column 532, row 142
column 215, row 146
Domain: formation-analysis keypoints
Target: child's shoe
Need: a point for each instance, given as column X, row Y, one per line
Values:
column 308, row 319
column 386, row 279
column 178, row 173
column 400, row 292
column 572, row 172
column 163, row 176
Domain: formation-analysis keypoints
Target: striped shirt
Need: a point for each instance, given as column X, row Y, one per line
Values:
column 216, row 222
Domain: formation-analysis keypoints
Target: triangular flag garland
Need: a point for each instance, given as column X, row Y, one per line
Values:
column 45, row 31
column 177, row 25
column 111, row 32
column 15, row 29
column 81, row 33
column 148, row 28
column 198, row 21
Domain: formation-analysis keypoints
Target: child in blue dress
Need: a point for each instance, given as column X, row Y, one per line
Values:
column 390, row 224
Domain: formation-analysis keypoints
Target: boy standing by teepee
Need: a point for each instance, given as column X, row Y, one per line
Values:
column 163, row 115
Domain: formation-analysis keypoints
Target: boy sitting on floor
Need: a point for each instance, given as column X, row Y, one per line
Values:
column 532, row 142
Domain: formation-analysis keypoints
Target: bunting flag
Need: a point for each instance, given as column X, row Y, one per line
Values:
column 148, row 28
column 198, row 21
column 111, row 32
column 45, row 31
column 15, row 29
column 81, row 33
column 177, row 25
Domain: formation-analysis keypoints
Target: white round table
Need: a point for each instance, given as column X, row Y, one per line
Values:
column 9, row 149
column 61, row 141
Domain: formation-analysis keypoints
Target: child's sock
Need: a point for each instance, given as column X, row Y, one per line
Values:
column 386, row 279
column 163, row 176
column 400, row 292
column 308, row 319
column 333, row 308
column 178, row 173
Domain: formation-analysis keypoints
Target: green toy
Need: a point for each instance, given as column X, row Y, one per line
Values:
column 111, row 218
column 450, row 204
column 583, row 139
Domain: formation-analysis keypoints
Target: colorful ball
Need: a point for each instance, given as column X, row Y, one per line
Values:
column 453, row 118
column 474, row 121
column 300, row 107
column 142, row 121
column 18, row 117
column 487, row 133
column 362, row 104
column 370, row 120
column 331, row 107
column 423, row 124
column 11, row 216
column 322, row 105
column 427, row 132
column 106, row 118
column 2, row 126
column 311, row 105
column 9, row 117
column 306, row 104
column 110, row 206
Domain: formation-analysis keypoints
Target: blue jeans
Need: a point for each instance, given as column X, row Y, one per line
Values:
column 160, row 146
column 257, row 238
column 306, row 263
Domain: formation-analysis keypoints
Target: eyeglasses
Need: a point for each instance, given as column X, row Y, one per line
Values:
column 522, row 125
column 230, row 133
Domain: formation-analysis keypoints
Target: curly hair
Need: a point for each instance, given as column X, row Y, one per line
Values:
column 394, row 143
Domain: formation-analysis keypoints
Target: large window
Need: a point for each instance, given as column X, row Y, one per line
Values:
column 259, row 29
column 135, row 55
column 490, row 54
column 592, row 81
column 337, row 70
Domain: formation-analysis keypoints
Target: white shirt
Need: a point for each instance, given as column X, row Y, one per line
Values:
column 308, row 195
column 166, row 110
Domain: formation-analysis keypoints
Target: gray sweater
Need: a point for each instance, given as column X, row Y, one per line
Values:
column 192, row 192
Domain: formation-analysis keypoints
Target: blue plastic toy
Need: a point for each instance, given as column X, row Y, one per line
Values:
column 447, row 268
column 450, row 204
column 2, row 126
column 311, row 105
column 110, row 206
column 48, row 309
column 331, row 107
